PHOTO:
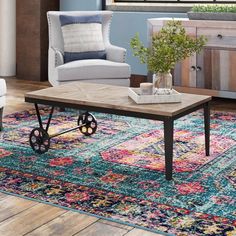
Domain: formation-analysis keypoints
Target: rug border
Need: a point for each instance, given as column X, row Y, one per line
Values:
column 87, row 213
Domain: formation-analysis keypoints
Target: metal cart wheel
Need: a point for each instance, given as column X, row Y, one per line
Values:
column 39, row 140
column 88, row 124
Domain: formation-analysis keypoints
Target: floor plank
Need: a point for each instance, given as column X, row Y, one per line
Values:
column 3, row 196
column 100, row 229
column 122, row 226
column 15, row 93
column 140, row 232
column 29, row 220
column 67, row 224
column 11, row 206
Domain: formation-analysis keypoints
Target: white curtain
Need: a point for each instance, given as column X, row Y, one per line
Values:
column 8, row 37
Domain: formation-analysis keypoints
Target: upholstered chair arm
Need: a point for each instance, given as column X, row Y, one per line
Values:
column 58, row 55
column 116, row 54
column 55, row 59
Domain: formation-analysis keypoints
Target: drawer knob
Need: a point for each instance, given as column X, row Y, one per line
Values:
column 199, row 68
column 193, row 68
column 219, row 36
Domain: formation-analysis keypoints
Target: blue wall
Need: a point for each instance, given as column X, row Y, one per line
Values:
column 123, row 28
column 82, row 5
column 125, row 25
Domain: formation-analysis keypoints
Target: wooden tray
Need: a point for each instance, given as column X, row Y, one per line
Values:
column 134, row 93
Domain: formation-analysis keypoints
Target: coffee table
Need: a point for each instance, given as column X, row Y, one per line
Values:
column 113, row 100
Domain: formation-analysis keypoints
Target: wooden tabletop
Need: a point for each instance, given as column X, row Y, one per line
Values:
column 100, row 96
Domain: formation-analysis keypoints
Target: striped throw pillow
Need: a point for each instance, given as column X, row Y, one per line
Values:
column 83, row 37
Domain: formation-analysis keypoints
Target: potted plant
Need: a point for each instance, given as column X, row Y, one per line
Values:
column 169, row 46
column 213, row 12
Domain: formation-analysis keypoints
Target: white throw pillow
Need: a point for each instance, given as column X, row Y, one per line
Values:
column 83, row 37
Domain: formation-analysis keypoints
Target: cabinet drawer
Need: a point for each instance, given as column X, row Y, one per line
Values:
column 220, row 38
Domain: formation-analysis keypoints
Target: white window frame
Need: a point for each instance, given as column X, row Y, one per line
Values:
column 151, row 7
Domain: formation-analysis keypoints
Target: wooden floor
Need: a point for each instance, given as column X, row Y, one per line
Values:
column 23, row 217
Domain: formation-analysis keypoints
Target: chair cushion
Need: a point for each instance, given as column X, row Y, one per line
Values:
column 92, row 69
column 82, row 37
column 3, row 88
column 2, row 101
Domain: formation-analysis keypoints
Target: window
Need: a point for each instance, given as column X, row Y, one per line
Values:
column 176, row 1
column 177, row 6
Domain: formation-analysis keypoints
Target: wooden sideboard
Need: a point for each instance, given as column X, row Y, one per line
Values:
column 213, row 71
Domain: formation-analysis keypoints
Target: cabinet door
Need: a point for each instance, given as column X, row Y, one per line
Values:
column 216, row 69
column 184, row 73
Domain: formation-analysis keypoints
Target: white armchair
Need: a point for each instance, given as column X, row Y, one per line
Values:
column 3, row 91
column 112, row 71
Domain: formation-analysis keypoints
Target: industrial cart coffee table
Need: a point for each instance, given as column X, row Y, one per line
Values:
column 113, row 100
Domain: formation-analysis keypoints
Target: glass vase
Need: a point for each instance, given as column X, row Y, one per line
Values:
column 162, row 83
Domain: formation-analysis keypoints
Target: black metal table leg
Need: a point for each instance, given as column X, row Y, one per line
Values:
column 207, row 127
column 49, row 119
column 168, row 140
column 38, row 115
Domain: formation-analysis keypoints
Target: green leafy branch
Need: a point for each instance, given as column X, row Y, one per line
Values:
column 169, row 46
column 214, row 8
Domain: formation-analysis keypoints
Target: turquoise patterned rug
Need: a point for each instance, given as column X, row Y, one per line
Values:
column 118, row 173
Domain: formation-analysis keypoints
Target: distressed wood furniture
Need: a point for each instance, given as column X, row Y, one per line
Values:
column 114, row 100
column 213, row 71
column 32, row 38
